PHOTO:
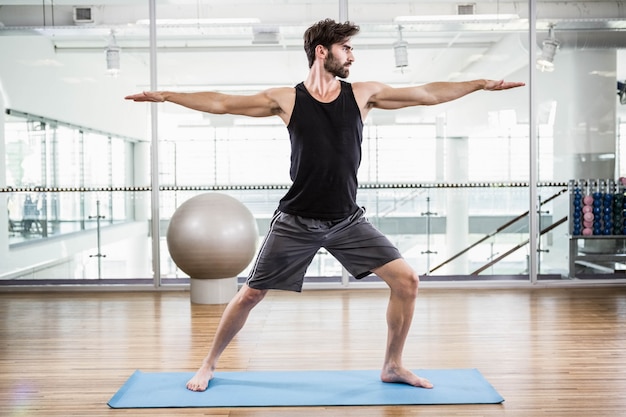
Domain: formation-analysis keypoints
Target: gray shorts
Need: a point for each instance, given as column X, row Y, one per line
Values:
column 293, row 241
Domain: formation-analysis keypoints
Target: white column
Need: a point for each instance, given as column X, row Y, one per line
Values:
column 212, row 291
column 441, row 133
column 141, row 178
column 139, row 261
column 4, row 218
column 457, row 224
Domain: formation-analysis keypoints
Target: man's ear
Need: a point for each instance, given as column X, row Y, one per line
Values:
column 321, row 51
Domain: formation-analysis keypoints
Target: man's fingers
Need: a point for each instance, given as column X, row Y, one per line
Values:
column 146, row 96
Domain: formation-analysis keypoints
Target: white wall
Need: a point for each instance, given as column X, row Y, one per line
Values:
column 38, row 82
column 33, row 80
column 35, row 256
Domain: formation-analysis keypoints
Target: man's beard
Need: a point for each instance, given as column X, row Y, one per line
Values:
column 335, row 67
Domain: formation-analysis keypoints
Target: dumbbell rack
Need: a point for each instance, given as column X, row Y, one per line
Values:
column 597, row 220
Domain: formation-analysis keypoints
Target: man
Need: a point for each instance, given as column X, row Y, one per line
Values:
column 324, row 117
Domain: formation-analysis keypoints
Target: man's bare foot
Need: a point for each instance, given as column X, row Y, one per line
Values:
column 404, row 376
column 200, row 381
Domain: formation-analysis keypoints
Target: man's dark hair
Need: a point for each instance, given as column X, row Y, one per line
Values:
column 326, row 33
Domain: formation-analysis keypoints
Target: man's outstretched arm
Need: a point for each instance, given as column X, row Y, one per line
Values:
column 386, row 97
column 257, row 105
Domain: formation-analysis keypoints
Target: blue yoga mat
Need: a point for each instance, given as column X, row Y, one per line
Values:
column 302, row 388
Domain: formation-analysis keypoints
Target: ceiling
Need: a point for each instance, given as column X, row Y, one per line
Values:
column 201, row 49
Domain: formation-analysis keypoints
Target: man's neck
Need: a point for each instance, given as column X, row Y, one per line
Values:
column 322, row 85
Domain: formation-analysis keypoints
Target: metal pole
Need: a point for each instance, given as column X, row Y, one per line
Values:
column 428, row 252
column 343, row 16
column 534, row 207
column 98, row 255
column 343, row 10
column 154, row 154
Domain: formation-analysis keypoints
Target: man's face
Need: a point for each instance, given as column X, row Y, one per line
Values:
column 339, row 59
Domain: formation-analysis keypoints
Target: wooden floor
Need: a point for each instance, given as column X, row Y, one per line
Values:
column 548, row 352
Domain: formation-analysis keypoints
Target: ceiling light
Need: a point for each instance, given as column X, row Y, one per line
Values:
column 400, row 51
column 112, row 53
column 201, row 22
column 465, row 18
column 550, row 45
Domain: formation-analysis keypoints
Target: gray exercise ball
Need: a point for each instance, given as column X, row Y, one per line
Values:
column 212, row 236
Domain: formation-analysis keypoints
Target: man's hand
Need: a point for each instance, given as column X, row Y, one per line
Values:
column 492, row 85
column 154, row 96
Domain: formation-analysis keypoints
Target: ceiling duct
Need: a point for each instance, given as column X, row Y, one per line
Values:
column 578, row 35
column 593, row 39
column 83, row 15
column 265, row 35
column 465, row 9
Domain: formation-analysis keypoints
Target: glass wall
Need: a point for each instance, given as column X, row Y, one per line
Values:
column 43, row 155
column 452, row 185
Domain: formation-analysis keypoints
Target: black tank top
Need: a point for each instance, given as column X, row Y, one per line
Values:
column 325, row 155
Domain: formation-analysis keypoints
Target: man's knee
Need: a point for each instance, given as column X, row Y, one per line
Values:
column 400, row 277
column 410, row 283
column 250, row 296
column 405, row 284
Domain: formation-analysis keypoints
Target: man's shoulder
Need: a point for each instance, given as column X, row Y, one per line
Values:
column 278, row 93
column 366, row 85
column 365, row 90
column 283, row 100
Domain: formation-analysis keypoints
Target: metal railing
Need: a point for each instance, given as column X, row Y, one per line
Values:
column 501, row 229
